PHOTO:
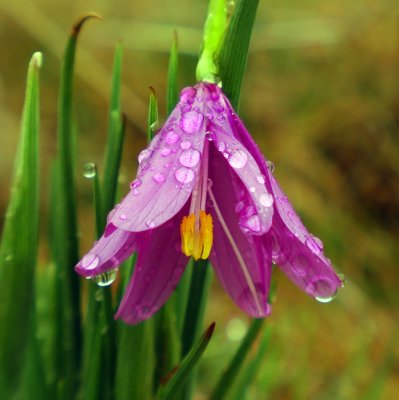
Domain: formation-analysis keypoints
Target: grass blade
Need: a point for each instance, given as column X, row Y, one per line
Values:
column 228, row 377
column 19, row 242
column 115, row 136
column 176, row 382
column 153, row 119
column 64, row 230
column 234, row 52
column 171, row 87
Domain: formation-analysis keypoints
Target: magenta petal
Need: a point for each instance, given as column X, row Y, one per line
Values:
column 240, row 160
column 108, row 252
column 240, row 282
column 158, row 270
column 168, row 169
column 298, row 253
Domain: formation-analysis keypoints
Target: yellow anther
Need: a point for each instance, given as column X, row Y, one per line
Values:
column 197, row 238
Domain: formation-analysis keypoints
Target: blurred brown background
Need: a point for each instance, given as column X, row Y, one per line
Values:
column 320, row 96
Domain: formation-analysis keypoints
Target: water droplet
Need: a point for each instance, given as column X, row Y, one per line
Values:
column 167, row 165
column 89, row 170
column 90, row 261
column 252, row 189
column 222, row 146
column 159, row 177
column 240, row 206
column 135, row 184
column 143, row 155
column 186, row 144
column 171, row 137
column 261, row 179
column 266, row 199
column 342, row 278
column 190, row 157
column 322, row 289
column 253, row 223
column 187, row 93
column 135, row 192
column 270, row 165
column 184, row 175
column 165, row 151
column 191, row 121
column 106, row 278
column 314, row 244
column 123, row 217
column 150, row 224
column 237, row 159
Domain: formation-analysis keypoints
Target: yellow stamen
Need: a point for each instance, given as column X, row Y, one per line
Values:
column 197, row 236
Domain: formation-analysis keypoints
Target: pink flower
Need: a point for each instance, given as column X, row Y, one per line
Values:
column 204, row 189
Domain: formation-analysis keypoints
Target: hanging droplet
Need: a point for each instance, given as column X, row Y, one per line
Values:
column 89, row 170
column 270, row 165
column 106, row 278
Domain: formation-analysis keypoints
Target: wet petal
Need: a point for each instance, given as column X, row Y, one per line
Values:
column 240, row 160
column 298, row 253
column 168, row 169
column 242, row 262
column 108, row 252
column 158, row 270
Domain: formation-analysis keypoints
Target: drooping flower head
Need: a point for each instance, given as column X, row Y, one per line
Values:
column 203, row 189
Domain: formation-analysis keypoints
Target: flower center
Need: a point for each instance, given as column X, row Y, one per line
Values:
column 196, row 229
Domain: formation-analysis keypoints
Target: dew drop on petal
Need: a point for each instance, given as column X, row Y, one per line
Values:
column 266, row 199
column 191, row 121
column 159, row 177
column 165, row 152
column 187, row 93
column 314, row 244
column 253, row 223
column 123, row 217
column 239, row 206
column 171, row 137
column 261, row 179
column 106, row 278
column 190, row 157
column 136, row 192
column 184, row 175
column 252, row 189
column 270, row 165
column 222, row 146
column 89, row 170
column 237, row 159
column 90, row 261
column 150, row 224
column 185, row 144
column 144, row 154
column 135, row 184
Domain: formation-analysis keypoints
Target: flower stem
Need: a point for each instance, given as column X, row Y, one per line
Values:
column 214, row 28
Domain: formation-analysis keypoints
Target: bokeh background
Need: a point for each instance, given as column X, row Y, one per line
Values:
column 320, row 96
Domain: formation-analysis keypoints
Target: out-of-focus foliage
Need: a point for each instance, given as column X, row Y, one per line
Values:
column 320, row 96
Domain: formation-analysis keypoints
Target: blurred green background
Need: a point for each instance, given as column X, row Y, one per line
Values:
column 321, row 98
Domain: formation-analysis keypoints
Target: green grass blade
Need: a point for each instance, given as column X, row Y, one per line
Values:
column 233, row 55
column 153, row 120
column 182, row 294
column 135, row 361
column 229, row 376
column 115, row 136
column 172, row 388
column 249, row 373
column 194, row 317
column 19, row 242
column 171, row 87
column 64, row 231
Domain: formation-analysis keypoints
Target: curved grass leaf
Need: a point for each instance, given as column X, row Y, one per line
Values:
column 175, row 384
column 153, row 120
column 19, row 242
column 64, row 232
column 229, row 376
column 234, row 51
